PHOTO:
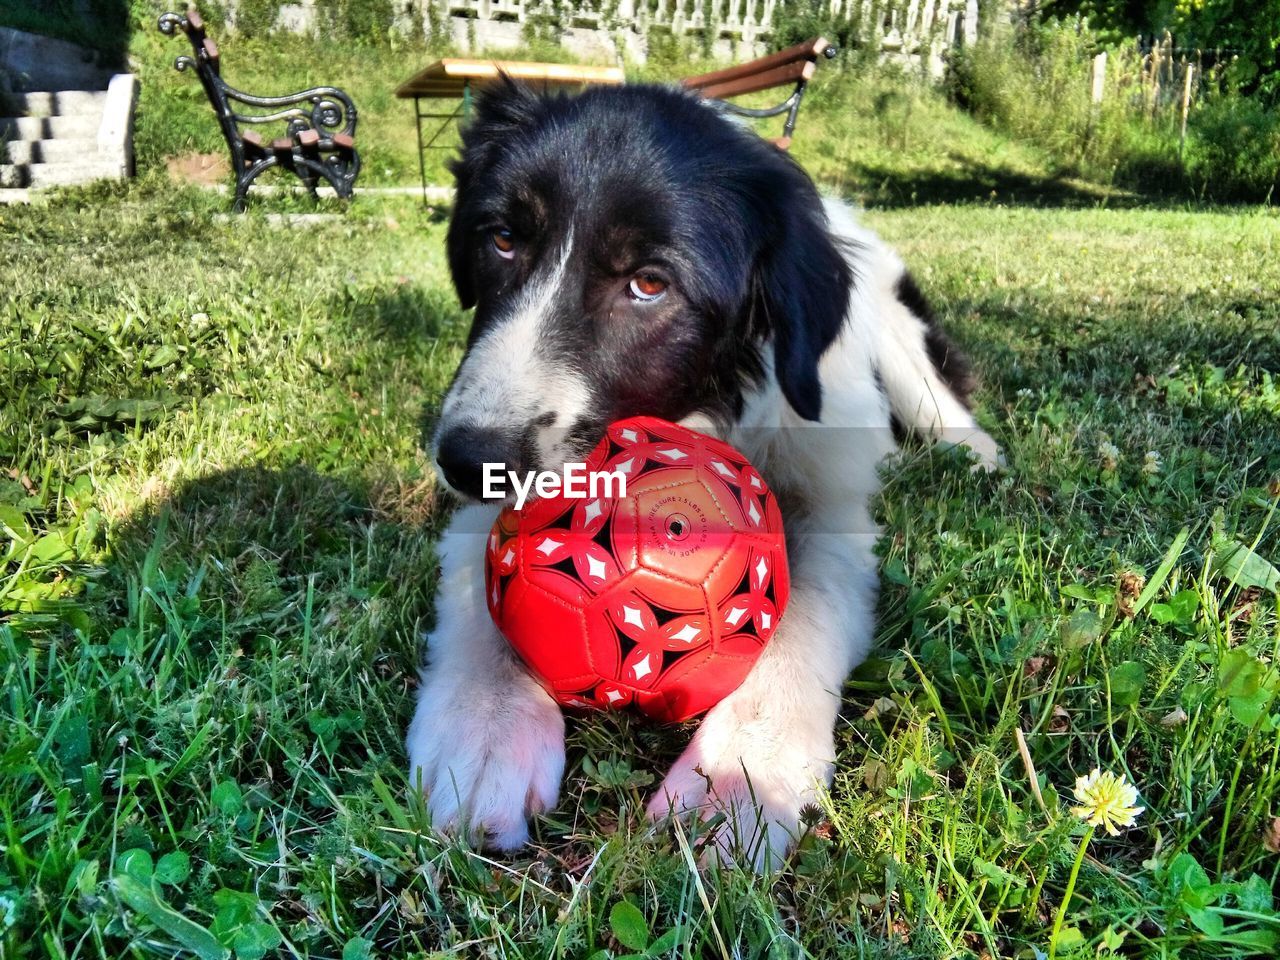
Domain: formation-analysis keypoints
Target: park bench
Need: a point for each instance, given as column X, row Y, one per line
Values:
column 318, row 125
column 793, row 67
column 456, row 79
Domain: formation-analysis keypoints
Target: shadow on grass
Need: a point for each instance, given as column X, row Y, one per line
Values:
column 411, row 312
column 293, row 514
column 413, row 318
column 957, row 178
column 1075, row 351
column 307, row 593
column 887, row 187
column 314, row 595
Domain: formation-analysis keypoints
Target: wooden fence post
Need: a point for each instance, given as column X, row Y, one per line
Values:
column 1186, row 106
column 1098, row 75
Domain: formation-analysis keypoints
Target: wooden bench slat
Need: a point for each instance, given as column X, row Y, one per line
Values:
column 282, row 145
column 309, row 139
column 810, row 50
column 210, row 51
column 195, row 20
column 343, row 141
column 450, row 76
column 785, row 75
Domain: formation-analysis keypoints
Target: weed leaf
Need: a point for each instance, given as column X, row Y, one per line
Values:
column 227, row 798
column 1255, row 895
column 142, row 899
column 628, row 925
column 1243, row 567
column 173, row 868
column 136, row 864
column 1126, row 681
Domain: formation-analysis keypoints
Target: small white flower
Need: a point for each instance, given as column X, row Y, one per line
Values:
column 1107, row 801
column 8, row 912
column 1152, row 463
column 1109, row 455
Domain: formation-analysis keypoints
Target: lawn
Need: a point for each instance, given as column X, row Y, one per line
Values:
column 218, row 562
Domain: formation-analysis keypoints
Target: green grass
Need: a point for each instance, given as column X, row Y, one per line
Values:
column 218, row 562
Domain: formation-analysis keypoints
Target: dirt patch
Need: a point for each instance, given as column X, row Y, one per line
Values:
column 202, row 168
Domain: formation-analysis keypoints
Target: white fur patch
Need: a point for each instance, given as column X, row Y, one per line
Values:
column 508, row 379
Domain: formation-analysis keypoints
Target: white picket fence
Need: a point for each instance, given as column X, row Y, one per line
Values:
column 908, row 30
column 745, row 20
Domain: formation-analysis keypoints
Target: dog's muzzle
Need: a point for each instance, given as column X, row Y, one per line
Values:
column 462, row 452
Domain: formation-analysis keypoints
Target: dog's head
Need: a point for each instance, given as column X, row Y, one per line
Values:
column 628, row 251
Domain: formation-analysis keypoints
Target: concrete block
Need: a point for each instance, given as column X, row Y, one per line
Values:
column 56, row 174
column 115, row 133
column 55, row 103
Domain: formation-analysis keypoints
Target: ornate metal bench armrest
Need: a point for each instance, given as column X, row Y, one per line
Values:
column 332, row 110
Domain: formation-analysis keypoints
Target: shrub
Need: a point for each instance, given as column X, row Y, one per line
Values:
column 1033, row 83
column 1248, row 29
column 798, row 20
column 1233, row 149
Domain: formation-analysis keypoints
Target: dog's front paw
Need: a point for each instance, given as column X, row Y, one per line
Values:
column 759, row 768
column 487, row 759
column 989, row 458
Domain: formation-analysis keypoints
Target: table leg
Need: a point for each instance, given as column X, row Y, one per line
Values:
column 422, row 153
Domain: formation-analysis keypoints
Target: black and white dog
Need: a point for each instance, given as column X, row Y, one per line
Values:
column 634, row 251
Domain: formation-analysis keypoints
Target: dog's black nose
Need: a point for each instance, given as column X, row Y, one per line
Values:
column 462, row 453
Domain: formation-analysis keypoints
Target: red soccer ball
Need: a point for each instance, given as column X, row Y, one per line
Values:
column 663, row 598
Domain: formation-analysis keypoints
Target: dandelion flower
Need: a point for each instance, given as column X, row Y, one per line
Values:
column 1107, row 801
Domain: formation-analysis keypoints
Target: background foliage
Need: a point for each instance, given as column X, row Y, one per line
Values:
column 1132, row 138
column 1246, row 31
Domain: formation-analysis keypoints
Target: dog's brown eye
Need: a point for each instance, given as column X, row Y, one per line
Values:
column 647, row 286
column 504, row 243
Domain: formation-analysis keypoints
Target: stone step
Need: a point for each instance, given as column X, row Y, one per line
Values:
column 56, row 103
column 49, row 128
column 57, row 174
column 68, row 150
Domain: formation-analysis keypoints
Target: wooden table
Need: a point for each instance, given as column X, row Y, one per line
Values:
column 455, row 78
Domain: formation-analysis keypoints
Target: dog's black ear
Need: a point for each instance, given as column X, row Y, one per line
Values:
column 500, row 110
column 802, row 285
column 461, row 237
